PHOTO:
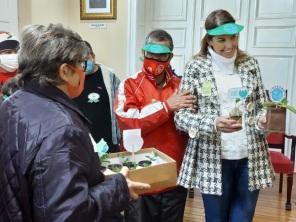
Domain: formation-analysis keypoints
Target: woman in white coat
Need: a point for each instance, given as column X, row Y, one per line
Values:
column 226, row 159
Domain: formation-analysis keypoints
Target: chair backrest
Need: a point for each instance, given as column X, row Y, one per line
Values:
column 276, row 140
column 293, row 146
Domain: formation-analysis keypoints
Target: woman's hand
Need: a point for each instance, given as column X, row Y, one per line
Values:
column 225, row 124
column 262, row 123
column 134, row 187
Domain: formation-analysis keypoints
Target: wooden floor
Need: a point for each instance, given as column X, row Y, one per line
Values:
column 270, row 206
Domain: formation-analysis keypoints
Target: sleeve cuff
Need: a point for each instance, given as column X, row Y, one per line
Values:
column 215, row 125
column 167, row 107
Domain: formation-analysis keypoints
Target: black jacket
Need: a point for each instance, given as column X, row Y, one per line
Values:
column 48, row 168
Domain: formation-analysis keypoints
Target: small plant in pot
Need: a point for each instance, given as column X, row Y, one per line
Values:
column 276, row 109
column 131, row 165
column 104, row 161
column 115, row 167
column 126, row 162
column 236, row 113
column 144, row 163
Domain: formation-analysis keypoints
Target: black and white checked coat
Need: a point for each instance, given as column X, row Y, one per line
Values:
column 201, row 167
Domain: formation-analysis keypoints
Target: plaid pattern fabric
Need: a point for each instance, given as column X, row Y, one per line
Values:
column 114, row 83
column 201, row 167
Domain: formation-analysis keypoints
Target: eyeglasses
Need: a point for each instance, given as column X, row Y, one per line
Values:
column 163, row 57
column 80, row 65
column 83, row 65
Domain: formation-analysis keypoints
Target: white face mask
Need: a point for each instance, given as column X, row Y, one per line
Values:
column 9, row 62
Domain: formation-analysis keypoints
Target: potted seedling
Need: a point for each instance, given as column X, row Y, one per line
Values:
column 144, row 163
column 126, row 162
column 276, row 109
column 115, row 167
column 104, row 159
column 157, row 169
column 239, row 96
column 151, row 159
column 131, row 165
column 236, row 113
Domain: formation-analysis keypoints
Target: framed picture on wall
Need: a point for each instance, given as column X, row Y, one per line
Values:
column 97, row 9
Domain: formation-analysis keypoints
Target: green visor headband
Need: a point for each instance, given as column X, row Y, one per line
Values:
column 226, row 29
column 156, row 48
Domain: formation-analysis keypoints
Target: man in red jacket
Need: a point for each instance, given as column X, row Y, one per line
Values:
column 147, row 100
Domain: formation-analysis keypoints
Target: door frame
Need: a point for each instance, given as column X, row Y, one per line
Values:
column 132, row 37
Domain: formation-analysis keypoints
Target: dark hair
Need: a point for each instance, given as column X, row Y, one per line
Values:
column 159, row 35
column 90, row 48
column 44, row 49
column 215, row 19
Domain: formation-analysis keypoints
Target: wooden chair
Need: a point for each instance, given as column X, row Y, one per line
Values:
column 281, row 163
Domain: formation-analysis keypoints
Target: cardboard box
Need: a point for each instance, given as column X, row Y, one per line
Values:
column 160, row 175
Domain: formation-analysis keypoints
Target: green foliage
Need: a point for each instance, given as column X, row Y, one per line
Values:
column 130, row 165
column 123, row 158
column 115, row 167
column 236, row 110
column 145, row 163
column 283, row 104
column 104, row 158
column 153, row 157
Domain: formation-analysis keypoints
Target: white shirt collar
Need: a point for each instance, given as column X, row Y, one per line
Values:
column 222, row 64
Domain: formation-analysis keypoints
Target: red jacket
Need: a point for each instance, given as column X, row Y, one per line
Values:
column 4, row 75
column 139, row 104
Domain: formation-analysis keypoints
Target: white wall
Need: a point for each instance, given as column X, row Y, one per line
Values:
column 9, row 16
column 110, row 44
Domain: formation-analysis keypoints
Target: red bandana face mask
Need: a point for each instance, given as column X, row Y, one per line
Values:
column 155, row 67
column 75, row 91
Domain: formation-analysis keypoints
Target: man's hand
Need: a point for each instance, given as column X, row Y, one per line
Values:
column 226, row 125
column 134, row 187
column 181, row 100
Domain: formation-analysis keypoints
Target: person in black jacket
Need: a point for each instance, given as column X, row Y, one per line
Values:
column 96, row 102
column 48, row 168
